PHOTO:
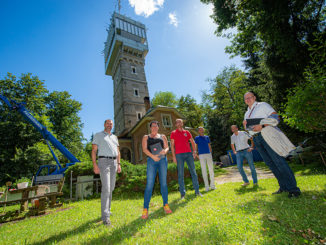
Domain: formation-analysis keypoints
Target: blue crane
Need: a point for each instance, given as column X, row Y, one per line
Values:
column 49, row 170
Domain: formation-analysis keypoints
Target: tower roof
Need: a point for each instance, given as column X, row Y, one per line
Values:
column 127, row 33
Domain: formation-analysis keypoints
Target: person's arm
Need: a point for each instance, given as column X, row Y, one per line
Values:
column 196, row 149
column 173, row 152
column 94, row 152
column 166, row 145
column 233, row 149
column 146, row 151
column 193, row 146
column 210, row 148
column 252, row 145
column 244, row 123
column 118, row 160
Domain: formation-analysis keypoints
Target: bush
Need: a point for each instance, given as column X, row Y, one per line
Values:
column 133, row 177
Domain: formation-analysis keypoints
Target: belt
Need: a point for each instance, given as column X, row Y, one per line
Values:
column 244, row 149
column 107, row 157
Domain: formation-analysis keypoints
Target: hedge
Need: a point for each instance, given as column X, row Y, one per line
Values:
column 133, row 177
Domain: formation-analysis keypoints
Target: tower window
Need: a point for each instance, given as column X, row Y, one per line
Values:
column 136, row 92
column 133, row 70
column 139, row 115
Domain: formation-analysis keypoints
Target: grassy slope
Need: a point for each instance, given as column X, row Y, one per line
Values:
column 228, row 215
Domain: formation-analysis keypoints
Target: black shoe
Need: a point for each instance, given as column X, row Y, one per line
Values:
column 278, row 192
column 294, row 194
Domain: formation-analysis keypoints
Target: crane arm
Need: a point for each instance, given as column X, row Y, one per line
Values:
column 13, row 105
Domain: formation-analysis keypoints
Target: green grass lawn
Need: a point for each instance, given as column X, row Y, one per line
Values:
column 228, row 215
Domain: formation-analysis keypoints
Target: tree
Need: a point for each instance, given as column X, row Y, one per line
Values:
column 63, row 115
column 22, row 148
column 225, row 97
column 165, row 99
column 306, row 108
column 224, row 106
column 191, row 110
column 219, row 134
column 273, row 34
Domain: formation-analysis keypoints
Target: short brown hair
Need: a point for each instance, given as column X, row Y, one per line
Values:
column 156, row 122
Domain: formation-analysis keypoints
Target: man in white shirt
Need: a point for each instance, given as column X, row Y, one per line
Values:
column 241, row 149
column 275, row 162
column 105, row 146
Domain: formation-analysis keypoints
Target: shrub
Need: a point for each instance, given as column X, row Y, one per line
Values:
column 133, row 177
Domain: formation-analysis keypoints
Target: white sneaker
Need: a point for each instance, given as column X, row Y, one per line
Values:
column 213, row 188
column 206, row 189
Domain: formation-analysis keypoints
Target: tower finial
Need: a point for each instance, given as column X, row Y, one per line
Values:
column 119, row 5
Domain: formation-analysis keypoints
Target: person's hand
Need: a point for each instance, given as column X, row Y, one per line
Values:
column 257, row 128
column 119, row 168
column 194, row 155
column 96, row 169
column 250, row 149
column 162, row 152
column 244, row 124
column 174, row 160
column 234, row 152
column 156, row 158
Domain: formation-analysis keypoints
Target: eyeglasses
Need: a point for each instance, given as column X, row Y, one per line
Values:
column 249, row 98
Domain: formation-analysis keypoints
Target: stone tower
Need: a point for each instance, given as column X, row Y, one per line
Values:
column 125, row 51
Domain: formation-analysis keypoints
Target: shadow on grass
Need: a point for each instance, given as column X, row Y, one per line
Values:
column 246, row 189
column 290, row 220
column 128, row 230
column 66, row 234
column 212, row 234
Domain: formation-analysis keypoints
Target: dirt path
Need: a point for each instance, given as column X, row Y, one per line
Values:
column 233, row 175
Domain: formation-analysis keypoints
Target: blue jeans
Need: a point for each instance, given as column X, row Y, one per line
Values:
column 181, row 158
column 248, row 155
column 152, row 168
column 277, row 165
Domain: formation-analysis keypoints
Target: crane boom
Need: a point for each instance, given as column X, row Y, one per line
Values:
column 13, row 105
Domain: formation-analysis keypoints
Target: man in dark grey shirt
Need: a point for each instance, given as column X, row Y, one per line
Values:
column 105, row 145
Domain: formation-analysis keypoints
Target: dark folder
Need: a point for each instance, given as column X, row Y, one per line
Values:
column 253, row 121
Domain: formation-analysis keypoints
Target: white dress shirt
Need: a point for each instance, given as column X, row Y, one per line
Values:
column 259, row 110
column 240, row 141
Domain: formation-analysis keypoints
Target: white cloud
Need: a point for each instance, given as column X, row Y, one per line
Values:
column 146, row 7
column 173, row 19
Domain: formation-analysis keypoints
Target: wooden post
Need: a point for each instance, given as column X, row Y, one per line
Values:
column 82, row 191
column 70, row 185
column 321, row 155
column 301, row 159
column 6, row 195
column 24, row 205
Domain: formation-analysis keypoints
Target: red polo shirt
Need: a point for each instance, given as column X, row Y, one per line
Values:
column 181, row 141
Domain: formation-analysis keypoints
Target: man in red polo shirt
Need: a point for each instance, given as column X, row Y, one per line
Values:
column 181, row 153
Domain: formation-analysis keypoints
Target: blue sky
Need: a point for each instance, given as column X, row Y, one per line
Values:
column 62, row 41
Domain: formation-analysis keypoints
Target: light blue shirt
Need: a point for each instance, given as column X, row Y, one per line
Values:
column 107, row 144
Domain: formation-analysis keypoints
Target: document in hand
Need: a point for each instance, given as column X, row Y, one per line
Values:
column 156, row 148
